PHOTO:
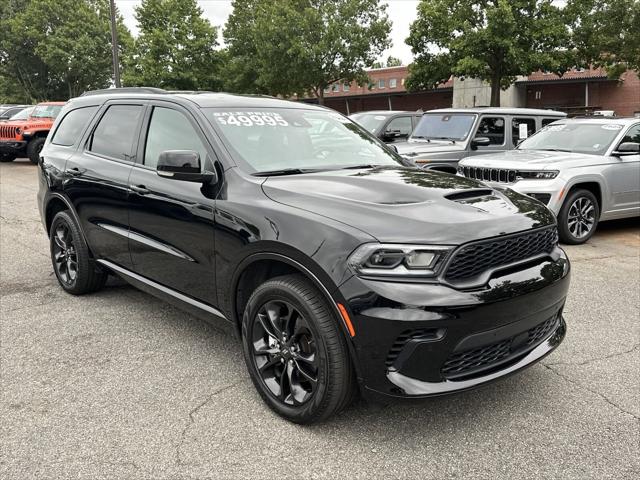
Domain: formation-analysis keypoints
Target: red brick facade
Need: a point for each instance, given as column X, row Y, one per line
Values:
column 577, row 92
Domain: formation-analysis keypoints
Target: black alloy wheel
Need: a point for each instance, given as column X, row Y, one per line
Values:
column 578, row 217
column 65, row 257
column 76, row 271
column 295, row 350
column 34, row 148
column 284, row 352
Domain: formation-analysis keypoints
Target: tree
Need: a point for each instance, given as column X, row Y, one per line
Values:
column 393, row 62
column 176, row 48
column 493, row 40
column 56, row 49
column 302, row 46
column 605, row 33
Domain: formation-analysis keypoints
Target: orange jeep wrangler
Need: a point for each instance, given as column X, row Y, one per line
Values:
column 25, row 133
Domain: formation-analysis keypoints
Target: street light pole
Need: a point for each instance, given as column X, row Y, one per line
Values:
column 114, row 45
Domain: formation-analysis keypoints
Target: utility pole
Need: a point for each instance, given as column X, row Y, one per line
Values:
column 114, row 45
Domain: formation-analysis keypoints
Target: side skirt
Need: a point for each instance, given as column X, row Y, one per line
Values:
column 199, row 309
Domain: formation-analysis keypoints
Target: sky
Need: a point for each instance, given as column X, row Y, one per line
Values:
column 401, row 13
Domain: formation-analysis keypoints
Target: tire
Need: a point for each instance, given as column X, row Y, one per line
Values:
column 34, row 148
column 315, row 347
column 7, row 157
column 75, row 270
column 578, row 217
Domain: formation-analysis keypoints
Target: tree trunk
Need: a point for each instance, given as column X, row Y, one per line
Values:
column 321, row 96
column 495, row 90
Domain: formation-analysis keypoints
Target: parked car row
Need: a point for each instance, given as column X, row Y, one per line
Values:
column 584, row 170
column 24, row 134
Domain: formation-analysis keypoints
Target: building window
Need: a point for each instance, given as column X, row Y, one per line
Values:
column 346, row 87
column 392, row 83
column 402, row 82
column 336, row 87
column 327, row 89
column 381, row 83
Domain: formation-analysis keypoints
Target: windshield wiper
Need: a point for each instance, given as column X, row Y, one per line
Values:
column 356, row 167
column 444, row 138
column 554, row 149
column 286, row 171
column 422, row 137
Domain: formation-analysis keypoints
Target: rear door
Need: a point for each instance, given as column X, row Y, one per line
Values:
column 96, row 179
column 172, row 221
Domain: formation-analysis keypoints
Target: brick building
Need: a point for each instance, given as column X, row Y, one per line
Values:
column 576, row 92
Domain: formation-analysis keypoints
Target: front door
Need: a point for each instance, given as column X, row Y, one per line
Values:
column 625, row 176
column 172, row 221
column 494, row 129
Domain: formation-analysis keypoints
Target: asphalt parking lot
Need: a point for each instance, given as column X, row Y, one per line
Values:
column 121, row 385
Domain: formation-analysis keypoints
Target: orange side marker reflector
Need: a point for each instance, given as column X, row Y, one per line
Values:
column 346, row 319
column 561, row 194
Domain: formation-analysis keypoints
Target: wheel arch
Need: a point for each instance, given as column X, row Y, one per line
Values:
column 592, row 185
column 56, row 202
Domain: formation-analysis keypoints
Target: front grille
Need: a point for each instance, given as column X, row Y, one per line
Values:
column 475, row 258
column 406, row 336
column 484, row 358
column 499, row 175
column 8, row 131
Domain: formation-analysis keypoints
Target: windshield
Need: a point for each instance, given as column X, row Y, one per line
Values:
column 23, row 114
column 46, row 111
column 266, row 140
column 448, row 126
column 372, row 122
column 591, row 138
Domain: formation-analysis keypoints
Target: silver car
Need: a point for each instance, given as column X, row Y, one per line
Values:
column 585, row 170
column 444, row 136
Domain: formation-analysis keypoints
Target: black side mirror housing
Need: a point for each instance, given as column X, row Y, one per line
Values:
column 183, row 165
column 627, row 148
column 480, row 142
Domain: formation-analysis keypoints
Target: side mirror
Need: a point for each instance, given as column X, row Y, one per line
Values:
column 627, row 148
column 480, row 142
column 389, row 134
column 183, row 165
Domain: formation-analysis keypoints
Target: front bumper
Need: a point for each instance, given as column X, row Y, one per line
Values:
column 12, row 146
column 418, row 340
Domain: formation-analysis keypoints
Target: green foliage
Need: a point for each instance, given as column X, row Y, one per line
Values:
column 55, row 49
column 605, row 33
column 175, row 49
column 494, row 40
column 288, row 47
column 393, row 62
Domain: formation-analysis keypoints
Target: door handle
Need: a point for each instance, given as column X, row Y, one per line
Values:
column 140, row 189
column 75, row 172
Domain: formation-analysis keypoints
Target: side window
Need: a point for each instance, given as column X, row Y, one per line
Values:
column 493, row 129
column 72, row 126
column 401, row 125
column 170, row 130
column 114, row 135
column 633, row 135
column 524, row 126
column 547, row 121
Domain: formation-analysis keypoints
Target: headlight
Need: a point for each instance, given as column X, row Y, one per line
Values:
column 398, row 260
column 18, row 130
column 543, row 175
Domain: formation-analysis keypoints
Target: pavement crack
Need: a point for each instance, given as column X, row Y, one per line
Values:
column 597, row 359
column 603, row 397
column 192, row 420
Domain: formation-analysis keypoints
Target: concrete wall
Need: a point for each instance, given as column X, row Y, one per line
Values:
column 472, row 92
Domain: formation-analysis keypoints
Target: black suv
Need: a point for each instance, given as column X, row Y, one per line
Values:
column 340, row 269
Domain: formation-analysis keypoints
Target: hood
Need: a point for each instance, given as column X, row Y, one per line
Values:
column 396, row 204
column 533, row 159
column 418, row 148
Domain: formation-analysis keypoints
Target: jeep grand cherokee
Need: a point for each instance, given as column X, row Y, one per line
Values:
column 340, row 269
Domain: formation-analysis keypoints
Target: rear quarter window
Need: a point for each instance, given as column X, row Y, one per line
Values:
column 72, row 126
column 115, row 133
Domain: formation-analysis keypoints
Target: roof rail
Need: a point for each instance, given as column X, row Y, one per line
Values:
column 124, row 90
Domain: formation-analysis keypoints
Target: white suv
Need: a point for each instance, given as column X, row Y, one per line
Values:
column 584, row 169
